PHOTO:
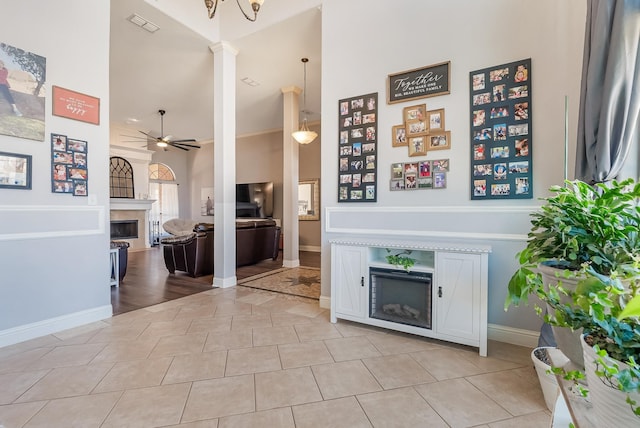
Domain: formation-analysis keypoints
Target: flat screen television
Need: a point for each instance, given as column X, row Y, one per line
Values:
column 254, row 200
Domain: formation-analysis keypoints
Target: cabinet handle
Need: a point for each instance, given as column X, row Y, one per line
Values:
column 362, row 281
column 439, row 291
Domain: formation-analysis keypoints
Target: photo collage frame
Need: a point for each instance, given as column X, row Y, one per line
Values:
column 69, row 173
column 501, row 132
column 425, row 174
column 421, row 131
column 358, row 148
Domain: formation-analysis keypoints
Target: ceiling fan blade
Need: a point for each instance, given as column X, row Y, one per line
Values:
column 193, row 146
column 178, row 147
column 135, row 136
column 188, row 140
column 149, row 135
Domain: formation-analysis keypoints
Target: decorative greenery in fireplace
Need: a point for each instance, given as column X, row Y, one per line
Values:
column 400, row 259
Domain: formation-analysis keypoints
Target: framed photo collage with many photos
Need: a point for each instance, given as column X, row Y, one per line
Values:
column 357, row 152
column 501, row 132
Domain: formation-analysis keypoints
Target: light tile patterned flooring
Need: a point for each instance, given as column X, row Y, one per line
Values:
column 240, row 357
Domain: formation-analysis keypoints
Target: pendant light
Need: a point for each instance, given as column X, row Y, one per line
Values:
column 304, row 135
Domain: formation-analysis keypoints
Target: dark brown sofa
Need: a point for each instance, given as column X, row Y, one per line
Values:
column 256, row 240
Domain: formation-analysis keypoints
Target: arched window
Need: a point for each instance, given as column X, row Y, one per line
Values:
column 164, row 190
column 120, row 178
column 159, row 171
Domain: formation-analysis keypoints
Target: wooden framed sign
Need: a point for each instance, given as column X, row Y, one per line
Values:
column 424, row 82
column 74, row 105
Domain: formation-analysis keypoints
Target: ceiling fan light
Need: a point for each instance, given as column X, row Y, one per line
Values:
column 161, row 144
column 304, row 137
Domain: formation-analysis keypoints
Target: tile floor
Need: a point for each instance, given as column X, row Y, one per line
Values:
column 240, row 357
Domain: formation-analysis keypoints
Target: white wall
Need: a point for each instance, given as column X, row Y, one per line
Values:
column 55, row 247
column 362, row 45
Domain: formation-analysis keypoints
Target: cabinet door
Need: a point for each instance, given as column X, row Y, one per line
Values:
column 457, row 294
column 350, row 280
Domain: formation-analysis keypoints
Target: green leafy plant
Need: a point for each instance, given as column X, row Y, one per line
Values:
column 400, row 259
column 590, row 234
column 607, row 308
column 578, row 224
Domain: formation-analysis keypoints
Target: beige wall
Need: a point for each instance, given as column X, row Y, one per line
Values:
column 310, row 167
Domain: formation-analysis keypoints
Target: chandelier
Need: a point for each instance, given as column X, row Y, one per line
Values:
column 212, row 5
column 304, row 135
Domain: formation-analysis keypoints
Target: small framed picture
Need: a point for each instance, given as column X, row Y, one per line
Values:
column 79, row 188
column 414, row 112
column 398, row 136
column 78, row 173
column 416, row 127
column 62, row 187
column 417, row 145
column 425, row 183
column 440, row 165
column 411, row 168
column 396, row 185
column 15, row 171
column 410, row 181
column 77, row 145
column 439, row 141
column 397, row 171
column 59, row 142
column 425, row 169
column 435, row 120
column 439, row 180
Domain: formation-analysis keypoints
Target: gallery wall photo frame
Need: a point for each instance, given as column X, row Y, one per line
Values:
column 75, row 105
column 69, row 172
column 501, row 134
column 15, row 171
column 423, row 82
column 398, row 136
column 440, row 140
column 435, row 120
column 26, row 93
column 358, row 148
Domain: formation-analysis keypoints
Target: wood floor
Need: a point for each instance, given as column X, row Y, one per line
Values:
column 148, row 282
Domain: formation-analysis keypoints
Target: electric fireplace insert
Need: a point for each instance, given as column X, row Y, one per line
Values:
column 400, row 297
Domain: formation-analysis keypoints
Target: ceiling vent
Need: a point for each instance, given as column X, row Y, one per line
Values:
column 141, row 22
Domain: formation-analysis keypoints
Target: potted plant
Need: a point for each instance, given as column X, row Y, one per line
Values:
column 607, row 308
column 400, row 259
column 578, row 225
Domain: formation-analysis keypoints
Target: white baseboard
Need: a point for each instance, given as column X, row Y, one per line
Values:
column 53, row 325
column 225, row 282
column 312, row 248
column 291, row 263
column 514, row 336
column 325, row 302
column 499, row 333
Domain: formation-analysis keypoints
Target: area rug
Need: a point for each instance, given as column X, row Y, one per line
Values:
column 300, row 281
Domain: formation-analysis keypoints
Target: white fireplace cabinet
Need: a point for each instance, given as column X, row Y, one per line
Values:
column 458, row 286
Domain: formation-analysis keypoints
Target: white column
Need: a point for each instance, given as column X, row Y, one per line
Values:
column 224, row 164
column 291, row 255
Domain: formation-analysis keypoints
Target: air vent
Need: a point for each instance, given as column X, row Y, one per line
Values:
column 141, row 22
column 249, row 81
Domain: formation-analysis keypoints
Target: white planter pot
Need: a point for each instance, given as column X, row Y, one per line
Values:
column 548, row 382
column 609, row 404
column 568, row 341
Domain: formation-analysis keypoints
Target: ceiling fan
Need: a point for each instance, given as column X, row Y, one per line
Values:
column 165, row 140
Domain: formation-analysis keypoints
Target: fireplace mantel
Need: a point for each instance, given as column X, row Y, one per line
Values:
column 131, row 204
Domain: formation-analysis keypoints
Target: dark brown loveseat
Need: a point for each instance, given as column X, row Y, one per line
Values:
column 256, row 240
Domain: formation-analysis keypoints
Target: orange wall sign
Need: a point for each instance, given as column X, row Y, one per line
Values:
column 74, row 105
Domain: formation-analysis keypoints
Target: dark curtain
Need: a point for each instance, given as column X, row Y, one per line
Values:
column 610, row 92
